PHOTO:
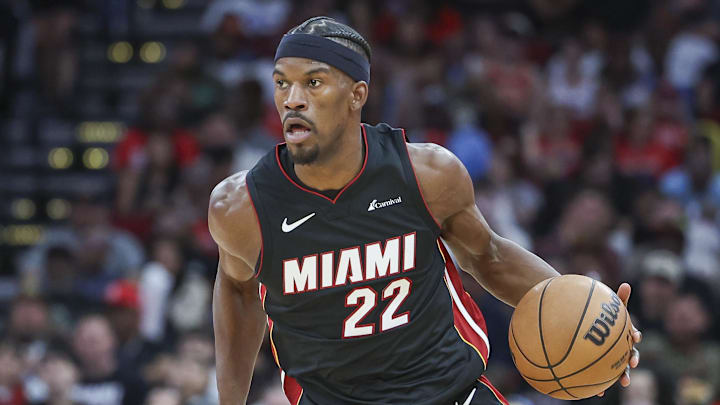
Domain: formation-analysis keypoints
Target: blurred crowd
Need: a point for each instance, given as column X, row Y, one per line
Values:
column 591, row 130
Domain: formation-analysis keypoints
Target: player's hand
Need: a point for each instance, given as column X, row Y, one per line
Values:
column 624, row 295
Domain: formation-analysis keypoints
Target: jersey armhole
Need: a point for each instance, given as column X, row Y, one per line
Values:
column 259, row 211
column 411, row 178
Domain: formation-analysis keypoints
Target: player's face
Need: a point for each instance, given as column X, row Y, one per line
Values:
column 313, row 100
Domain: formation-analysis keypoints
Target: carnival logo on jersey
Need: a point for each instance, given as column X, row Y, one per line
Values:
column 382, row 204
column 319, row 271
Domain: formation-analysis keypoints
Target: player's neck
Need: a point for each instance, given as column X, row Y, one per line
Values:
column 337, row 171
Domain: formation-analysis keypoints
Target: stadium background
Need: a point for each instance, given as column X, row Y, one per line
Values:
column 590, row 128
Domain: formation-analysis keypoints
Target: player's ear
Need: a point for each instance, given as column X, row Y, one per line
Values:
column 358, row 95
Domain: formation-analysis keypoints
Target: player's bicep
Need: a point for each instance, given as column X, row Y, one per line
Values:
column 464, row 228
column 235, row 267
column 469, row 237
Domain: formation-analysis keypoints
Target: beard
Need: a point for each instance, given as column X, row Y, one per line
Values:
column 304, row 156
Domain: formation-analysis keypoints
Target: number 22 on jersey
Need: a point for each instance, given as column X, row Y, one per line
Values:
column 366, row 299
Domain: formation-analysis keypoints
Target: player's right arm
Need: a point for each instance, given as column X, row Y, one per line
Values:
column 238, row 316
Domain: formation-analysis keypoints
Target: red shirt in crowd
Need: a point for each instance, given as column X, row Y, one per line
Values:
column 130, row 151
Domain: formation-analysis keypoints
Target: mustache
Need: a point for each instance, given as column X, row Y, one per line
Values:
column 295, row 114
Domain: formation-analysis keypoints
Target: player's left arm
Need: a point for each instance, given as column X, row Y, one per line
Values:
column 500, row 265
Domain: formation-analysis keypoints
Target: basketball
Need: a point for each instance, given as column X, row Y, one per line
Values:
column 570, row 337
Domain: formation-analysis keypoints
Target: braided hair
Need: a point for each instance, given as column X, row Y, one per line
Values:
column 335, row 31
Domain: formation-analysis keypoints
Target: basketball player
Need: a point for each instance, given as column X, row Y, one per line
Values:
column 337, row 235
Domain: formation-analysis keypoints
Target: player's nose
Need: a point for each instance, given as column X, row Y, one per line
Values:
column 296, row 99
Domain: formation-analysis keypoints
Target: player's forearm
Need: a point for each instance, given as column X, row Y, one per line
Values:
column 239, row 323
column 508, row 270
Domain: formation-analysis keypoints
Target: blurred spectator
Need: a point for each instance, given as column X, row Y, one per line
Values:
column 190, row 378
column 508, row 83
column 56, row 56
column 11, row 386
column 707, row 93
column 627, row 70
column 508, row 203
column 691, row 51
column 642, row 391
column 550, row 148
column 694, row 183
column 30, row 327
column 150, row 157
column 102, row 382
column 471, row 144
column 60, row 375
column 638, row 152
column 199, row 347
column 686, row 352
column 273, row 395
column 569, row 85
column 241, row 32
column 201, row 94
column 255, row 122
column 174, row 295
column 100, row 250
column 660, row 274
column 580, row 242
column 657, row 221
column 124, row 316
column 164, row 396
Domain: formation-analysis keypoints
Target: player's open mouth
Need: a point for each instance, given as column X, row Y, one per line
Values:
column 296, row 133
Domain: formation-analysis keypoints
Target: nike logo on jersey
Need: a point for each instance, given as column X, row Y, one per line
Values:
column 374, row 204
column 289, row 227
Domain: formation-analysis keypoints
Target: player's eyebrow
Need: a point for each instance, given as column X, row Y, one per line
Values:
column 278, row 72
column 317, row 70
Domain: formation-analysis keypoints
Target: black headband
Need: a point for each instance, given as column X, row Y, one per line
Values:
column 324, row 50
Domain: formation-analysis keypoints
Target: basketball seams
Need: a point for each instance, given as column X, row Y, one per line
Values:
column 512, row 333
column 565, row 380
column 542, row 340
column 617, row 339
column 592, row 363
column 589, row 385
column 577, row 329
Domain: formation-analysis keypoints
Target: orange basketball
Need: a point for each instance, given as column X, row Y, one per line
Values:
column 570, row 337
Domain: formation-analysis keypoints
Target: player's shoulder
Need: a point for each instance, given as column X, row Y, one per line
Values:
column 433, row 159
column 231, row 209
column 230, row 195
column 442, row 178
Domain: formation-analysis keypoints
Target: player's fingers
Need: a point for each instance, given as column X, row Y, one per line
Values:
column 637, row 335
column 601, row 394
column 623, row 293
column 625, row 379
column 635, row 359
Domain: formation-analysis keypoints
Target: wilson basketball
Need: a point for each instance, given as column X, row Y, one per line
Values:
column 570, row 337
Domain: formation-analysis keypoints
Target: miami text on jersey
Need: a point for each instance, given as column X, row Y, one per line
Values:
column 319, row 270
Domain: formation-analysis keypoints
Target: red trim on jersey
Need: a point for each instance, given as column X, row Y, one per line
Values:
column 263, row 293
column 262, row 241
column 418, row 183
column 272, row 343
column 467, row 332
column 484, row 381
column 334, row 200
column 293, row 390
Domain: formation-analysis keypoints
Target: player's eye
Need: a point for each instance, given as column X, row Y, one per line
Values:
column 281, row 84
column 314, row 83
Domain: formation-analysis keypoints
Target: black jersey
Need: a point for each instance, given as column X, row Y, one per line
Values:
column 364, row 305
